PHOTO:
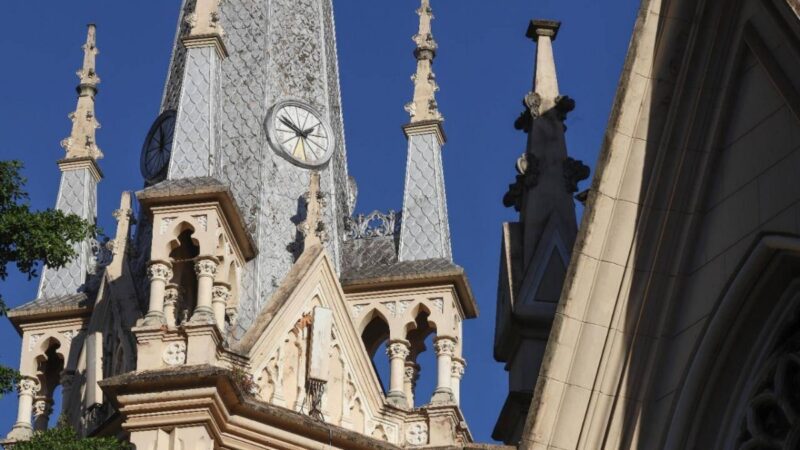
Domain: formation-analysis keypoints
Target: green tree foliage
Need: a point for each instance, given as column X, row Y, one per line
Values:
column 63, row 437
column 30, row 239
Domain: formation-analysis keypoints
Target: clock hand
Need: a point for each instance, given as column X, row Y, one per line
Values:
column 308, row 131
column 292, row 126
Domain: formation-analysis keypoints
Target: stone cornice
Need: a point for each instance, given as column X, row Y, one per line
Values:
column 426, row 127
column 80, row 163
column 226, row 410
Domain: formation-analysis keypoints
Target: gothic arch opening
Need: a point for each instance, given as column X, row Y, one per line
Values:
column 375, row 336
column 50, row 365
column 741, row 388
column 182, row 255
column 424, row 363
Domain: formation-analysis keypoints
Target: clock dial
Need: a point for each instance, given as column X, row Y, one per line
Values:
column 157, row 148
column 298, row 133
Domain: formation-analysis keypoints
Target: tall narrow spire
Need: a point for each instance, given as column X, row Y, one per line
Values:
column 81, row 142
column 423, row 107
column 77, row 193
column 425, row 229
column 536, row 250
column 196, row 140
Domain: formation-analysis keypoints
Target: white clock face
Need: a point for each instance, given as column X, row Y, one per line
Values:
column 298, row 133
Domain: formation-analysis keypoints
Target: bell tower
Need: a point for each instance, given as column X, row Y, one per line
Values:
column 253, row 95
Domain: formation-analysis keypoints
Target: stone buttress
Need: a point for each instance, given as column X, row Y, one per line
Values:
column 535, row 251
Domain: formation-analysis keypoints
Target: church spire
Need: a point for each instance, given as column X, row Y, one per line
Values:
column 77, row 193
column 537, row 249
column 81, row 141
column 424, row 230
column 423, row 107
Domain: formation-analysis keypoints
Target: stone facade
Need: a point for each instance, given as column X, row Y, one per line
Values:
column 244, row 307
column 244, row 285
column 679, row 300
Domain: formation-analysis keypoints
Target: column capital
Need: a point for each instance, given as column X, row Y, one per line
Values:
column 28, row 386
column 42, row 407
column 444, row 345
column 398, row 348
column 172, row 294
column 159, row 270
column 457, row 370
column 206, row 266
column 221, row 292
column 541, row 27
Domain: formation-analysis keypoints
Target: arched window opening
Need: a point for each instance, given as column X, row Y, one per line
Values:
column 375, row 335
column 182, row 258
column 49, row 367
column 422, row 364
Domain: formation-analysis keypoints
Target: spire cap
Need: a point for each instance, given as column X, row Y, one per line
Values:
column 543, row 27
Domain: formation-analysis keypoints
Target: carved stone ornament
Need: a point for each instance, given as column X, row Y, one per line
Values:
column 220, row 294
column 574, row 172
column 205, row 268
column 457, row 369
column 391, row 307
column 374, row 224
column 398, row 350
column 444, row 346
column 70, row 335
column 175, row 354
column 527, row 178
column 770, row 418
column 417, row 434
column 28, row 386
column 159, row 271
column 564, row 106
column 171, row 295
column 438, row 303
column 40, row 408
column 33, row 340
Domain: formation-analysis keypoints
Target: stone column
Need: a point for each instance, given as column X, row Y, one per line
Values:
column 27, row 389
column 445, row 347
column 219, row 300
column 457, row 373
column 206, row 269
column 171, row 305
column 397, row 350
column 160, row 273
column 410, row 381
column 42, row 408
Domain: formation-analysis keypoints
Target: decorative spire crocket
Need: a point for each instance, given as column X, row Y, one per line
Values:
column 423, row 107
column 81, row 142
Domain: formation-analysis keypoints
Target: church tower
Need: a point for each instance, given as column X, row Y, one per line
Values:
column 535, row 250
column 252, row 100
column 245, row 291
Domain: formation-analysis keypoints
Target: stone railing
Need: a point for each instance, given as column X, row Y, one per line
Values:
column 372, row 225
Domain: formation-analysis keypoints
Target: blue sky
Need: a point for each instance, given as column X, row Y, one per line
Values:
column 484, row 67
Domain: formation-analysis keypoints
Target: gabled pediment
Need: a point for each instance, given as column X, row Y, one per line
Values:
column 278, row 346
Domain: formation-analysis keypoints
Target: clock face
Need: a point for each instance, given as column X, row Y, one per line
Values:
column 158, row 148
column 298, row 133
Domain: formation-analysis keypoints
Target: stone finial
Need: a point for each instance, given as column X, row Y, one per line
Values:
column 423, row 107
column 545, row 83
column 81, row 141
column 204, row 27
column 313, row 227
